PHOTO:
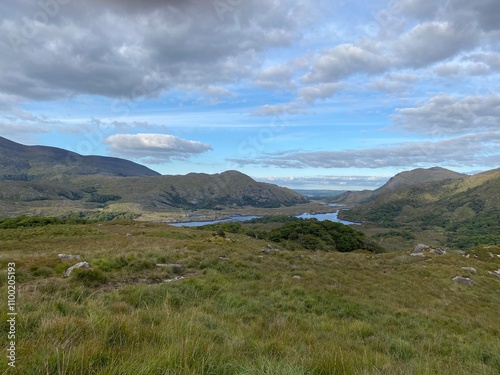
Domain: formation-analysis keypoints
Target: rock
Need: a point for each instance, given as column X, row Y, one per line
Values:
column 471, row 269
column 467, row 256
column 177, row 278
column 69, row 256
column 422, row 255
column 419, row 249
column 437, row 251
column 297, row 277
column 129, row 235
column 78, row 265
column 463, row 280
column 224, row 257
column 173, row 265
column 495, row 273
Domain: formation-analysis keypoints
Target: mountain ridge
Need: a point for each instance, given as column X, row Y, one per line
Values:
column 24, row 163
column 39, row 178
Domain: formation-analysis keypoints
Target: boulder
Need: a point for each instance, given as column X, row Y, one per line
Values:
column 68, row 256
column 437, row 251
column 419, row 249
column 78, row 265
column 463, row 280
column 297, row 277
column 173, row 265
column 495, row 273
column 471, row 269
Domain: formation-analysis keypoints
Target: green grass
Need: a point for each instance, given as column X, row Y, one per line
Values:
column 349, row 313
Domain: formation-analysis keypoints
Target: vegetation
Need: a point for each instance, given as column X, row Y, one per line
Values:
column 293, row 233
column 230, row 310
column 465, row 209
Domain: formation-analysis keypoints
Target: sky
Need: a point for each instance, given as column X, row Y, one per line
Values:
column 304, row 94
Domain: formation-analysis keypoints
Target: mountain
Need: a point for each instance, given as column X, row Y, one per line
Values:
column 401, row 180
column 39, row 179
column 466, row 209
column 192, row 191
column 27, row 163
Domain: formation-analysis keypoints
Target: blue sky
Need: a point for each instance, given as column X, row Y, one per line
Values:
column 327, row 94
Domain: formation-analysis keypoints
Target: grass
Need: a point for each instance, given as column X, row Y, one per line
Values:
column 237, row 311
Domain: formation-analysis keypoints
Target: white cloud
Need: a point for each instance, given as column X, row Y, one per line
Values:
column 469, row 150
column 155, row 148
column 446, row 114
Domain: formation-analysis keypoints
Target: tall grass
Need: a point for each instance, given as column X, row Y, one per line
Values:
column 245, row 313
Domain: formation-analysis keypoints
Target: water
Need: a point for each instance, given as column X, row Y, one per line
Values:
column 332, row 216
column 201, row 223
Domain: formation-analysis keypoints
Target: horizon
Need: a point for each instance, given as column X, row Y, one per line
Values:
column 320, row 96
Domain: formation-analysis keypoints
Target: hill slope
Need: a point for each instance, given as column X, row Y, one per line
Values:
column 401, row 180
column 26, row 163
column 467, row 208
column 193, row 191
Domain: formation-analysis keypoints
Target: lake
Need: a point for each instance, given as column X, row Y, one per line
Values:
column 332, row 216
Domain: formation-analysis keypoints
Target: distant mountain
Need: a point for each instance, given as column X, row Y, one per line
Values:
column 27, row 163
column 38, row 179
column 193, row 191
column 401, row 180
column 466, row 208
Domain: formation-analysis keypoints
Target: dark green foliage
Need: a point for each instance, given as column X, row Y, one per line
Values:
column 229, row 227
column 98, row 198
column 322, row 235
column 272, row 219
column 396, row 233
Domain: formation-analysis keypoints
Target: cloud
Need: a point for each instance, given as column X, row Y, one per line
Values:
column 345, row 60
column 278, row 110
column 130, row 49
column 447, row 114
column 155, row 148
column 327, row 182
column 319, row 91
column 469, row 150
column 431, row 42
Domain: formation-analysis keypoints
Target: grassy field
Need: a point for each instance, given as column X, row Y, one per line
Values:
column 231, row 309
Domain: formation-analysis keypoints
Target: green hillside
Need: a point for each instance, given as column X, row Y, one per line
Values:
column 47, row 180
column 220, row 305
column 27, row 163
column 467, row 209
column 402, row 180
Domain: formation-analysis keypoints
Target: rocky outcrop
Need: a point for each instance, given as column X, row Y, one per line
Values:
column 68, row 256
column 421, row 248
column 463, row 280
column 78, row 265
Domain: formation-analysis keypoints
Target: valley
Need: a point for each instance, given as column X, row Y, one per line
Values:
column 285, row 292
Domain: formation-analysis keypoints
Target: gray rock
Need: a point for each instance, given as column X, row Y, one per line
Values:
column 471, row 269
column 129, row 235
column 78, row 265
column 495, row 273
column 422, row 255
column 463, row 280
column 419, row 249
column 297, row 277
column 437, row 251
column 177, row 278
column 69, row 256
column 173, row 265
